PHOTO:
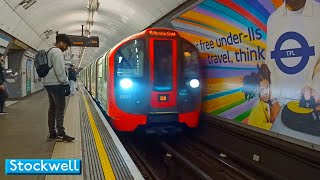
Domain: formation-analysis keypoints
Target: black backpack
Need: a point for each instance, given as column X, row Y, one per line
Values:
column 41, row 63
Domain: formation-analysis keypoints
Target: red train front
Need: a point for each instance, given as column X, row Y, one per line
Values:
column 153, row 80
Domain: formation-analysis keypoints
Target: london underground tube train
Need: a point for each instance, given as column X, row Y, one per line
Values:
column 150, row 79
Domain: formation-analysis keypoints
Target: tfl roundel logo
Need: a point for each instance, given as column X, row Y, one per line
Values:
column 305, row 51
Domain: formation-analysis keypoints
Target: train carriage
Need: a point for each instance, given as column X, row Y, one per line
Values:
column 150, row 79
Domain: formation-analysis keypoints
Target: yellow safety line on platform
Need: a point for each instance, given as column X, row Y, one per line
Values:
column 103, row 156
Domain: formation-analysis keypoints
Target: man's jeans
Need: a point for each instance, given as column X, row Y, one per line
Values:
column 57, row 104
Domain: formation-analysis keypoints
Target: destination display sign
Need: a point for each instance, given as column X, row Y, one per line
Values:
column 83, row 41
column 162, row 33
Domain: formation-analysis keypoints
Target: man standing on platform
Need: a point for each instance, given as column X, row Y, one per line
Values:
column 56, row 82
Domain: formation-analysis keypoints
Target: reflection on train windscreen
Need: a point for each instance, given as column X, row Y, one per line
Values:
column 129, row 59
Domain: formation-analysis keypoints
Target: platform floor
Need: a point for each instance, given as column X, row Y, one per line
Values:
column 24, row 130
column 72, row 128
column 9, row 103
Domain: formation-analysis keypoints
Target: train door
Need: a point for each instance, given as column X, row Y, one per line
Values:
column 92, row 88
column 163, row 74
column 85, row 78
column 94, row 79
column 83, row 73
column 104, row 90
column 90, row 77
column 99, row 79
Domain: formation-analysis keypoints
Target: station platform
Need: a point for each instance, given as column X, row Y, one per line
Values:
column 24, row 130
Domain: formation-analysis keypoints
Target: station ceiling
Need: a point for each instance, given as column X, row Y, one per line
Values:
column 110, row 20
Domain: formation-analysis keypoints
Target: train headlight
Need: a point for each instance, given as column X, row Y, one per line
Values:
column 194, row 83
column 126, row 83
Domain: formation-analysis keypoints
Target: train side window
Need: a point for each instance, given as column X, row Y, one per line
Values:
column 129, row 59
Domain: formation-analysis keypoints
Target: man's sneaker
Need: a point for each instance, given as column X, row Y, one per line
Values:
column 65, row 138
column 51, row 137
column 3, row 113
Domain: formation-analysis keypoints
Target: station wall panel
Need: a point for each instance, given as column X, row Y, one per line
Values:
column 257, row 58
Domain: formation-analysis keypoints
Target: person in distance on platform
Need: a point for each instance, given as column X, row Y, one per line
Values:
column 55, row 83
column 72, row 76
column 3, row 89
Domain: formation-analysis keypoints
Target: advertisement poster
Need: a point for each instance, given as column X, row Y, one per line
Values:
column 261, row 62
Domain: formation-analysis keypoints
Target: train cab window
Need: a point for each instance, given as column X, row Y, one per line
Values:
column 129, row 59
column 163, row 65
column 191, row 60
